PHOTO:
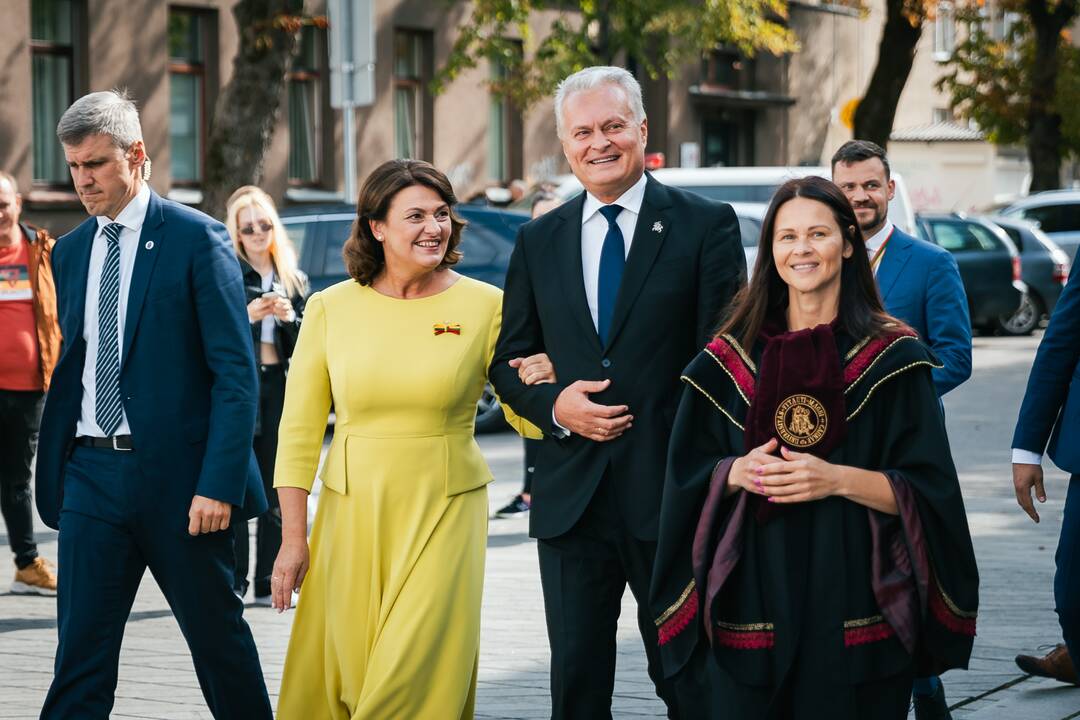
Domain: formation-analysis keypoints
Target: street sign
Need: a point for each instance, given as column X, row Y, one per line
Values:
column 352, row 52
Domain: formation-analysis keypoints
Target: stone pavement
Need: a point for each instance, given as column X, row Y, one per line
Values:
column 1015, row 560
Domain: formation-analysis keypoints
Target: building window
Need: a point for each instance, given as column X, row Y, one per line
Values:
column 944, row 32
column 505, row 151
column 729, row 69
column 52, row 51
column 187, row 94
column 412, row 100
column 941, row 115
column 305, row 105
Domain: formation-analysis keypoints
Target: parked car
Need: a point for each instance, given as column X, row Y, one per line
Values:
column 750, row 215
column 989, row 266
column 1056, row 212
column 319, row 232
column 754, row 185
column 1045, row 269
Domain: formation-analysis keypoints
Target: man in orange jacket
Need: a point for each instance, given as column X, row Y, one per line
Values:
column 29, row 344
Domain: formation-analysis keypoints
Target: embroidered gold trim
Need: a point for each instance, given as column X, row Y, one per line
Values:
column 858, row 346
column 878, row 357
column 733, row 381
column 953, row 607
column 675, row 607
column 742, row 353
column 864, row 622
column 870, row 393
column 734, row 422
column 748, row 627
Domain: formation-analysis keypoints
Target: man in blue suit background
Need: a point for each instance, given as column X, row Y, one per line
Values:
column 920, row 284
column 1050, row 414
column 919, row 281
column 145, row 442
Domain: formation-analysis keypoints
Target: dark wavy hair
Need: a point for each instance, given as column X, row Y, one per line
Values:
column 862, row 313
column 364, row 258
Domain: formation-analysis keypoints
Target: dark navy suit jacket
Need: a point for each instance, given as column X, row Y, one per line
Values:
column 1051, row 407
column 920, row 284
column 187, row 377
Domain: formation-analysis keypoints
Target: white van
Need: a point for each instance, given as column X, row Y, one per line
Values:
column 754, row 185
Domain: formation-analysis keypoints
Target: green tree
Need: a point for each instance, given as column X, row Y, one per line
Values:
column 658, row 35
column 247, row 109
column 1024, row 87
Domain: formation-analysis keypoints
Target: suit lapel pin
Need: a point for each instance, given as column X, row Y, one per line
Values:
column 658, row 227
column 452, row 328
column 149, row 245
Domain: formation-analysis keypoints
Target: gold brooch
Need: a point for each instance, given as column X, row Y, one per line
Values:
column 452, row 328
column 801, row 421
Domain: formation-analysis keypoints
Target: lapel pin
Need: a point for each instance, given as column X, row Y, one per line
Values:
column 149, row 245
column 452, row 328
column 658, row 227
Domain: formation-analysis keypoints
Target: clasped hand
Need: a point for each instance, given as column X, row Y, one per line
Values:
column 794, row 477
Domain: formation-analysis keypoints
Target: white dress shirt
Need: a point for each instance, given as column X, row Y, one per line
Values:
column 594, row 227
column 131, row 217
column 1026, row 457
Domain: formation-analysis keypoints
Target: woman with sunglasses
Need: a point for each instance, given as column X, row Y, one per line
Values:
column 276, row 291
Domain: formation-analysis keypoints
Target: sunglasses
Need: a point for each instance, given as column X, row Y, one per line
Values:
column 250, row 229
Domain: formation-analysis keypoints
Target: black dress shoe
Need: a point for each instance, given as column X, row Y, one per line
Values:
column 932, row 707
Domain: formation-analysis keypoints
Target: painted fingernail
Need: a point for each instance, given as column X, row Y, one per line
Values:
column 772, row 499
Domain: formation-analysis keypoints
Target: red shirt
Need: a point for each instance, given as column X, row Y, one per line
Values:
column 20, row 364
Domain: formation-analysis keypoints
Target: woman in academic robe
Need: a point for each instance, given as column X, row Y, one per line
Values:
column 814, row 553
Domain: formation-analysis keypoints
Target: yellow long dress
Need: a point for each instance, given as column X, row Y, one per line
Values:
column 388, row 621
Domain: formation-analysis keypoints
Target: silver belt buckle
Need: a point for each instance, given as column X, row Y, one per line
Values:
column 116, row 447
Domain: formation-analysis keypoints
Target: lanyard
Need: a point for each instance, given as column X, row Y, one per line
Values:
column 875, row 261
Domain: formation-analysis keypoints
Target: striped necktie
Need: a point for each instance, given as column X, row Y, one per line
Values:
column 107, row 408
column 612, row 261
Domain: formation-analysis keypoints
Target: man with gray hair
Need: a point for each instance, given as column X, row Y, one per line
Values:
column 620, row 287
column 145, row 449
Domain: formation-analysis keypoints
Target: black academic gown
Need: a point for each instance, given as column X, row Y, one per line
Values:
column 823, row 609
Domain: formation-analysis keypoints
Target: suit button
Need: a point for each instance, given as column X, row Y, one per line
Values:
column 605, row 363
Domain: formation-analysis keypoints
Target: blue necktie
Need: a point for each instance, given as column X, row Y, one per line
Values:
column 107, row 408
column 612, row 261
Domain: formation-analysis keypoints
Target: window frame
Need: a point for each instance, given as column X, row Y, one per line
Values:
column 176, row 66
column 316, row 77
column 424, row 104
column 73, row 52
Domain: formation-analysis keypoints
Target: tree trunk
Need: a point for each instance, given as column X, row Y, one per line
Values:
column 896, row 53
column 247, row 109
column 1044, row 122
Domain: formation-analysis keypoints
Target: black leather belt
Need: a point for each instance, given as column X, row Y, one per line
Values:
column 116, row 442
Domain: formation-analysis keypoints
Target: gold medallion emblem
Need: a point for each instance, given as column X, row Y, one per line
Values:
column 801, row 421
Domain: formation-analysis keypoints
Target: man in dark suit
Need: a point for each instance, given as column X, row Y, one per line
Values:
column 620, row 287
column 1050, row 414
column 919, row 284
column 145, row 445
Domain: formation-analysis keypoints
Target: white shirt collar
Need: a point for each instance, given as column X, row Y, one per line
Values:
column 134, row 213
column 879, row 238
column 630, row 200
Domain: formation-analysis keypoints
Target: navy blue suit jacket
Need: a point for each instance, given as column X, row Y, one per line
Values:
column 920, row 284
column 1051, row 407
column 187, row 376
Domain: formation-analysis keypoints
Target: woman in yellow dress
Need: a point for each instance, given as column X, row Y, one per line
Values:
column 388, row 621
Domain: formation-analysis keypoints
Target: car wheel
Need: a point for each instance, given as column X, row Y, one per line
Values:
column 489, row 414
column 1024, row 320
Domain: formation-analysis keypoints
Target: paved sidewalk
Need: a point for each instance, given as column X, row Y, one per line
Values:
column 1015, row 559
